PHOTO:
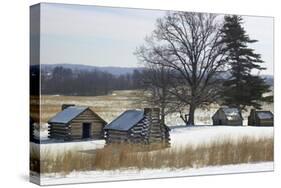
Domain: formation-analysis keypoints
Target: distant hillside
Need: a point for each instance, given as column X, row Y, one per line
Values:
column 117, row 71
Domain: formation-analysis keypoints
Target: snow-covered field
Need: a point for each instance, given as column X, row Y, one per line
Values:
column 117, row 175
column 206, row 134
column 180, row 136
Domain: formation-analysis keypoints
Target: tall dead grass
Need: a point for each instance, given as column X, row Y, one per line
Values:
column 124, row 156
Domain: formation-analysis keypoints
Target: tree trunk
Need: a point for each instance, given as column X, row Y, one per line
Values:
column 191, row 115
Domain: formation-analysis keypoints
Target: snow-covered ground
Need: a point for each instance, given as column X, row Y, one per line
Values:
column 206, row 134
column 180, row 136
column 58, row 147
column 117, row 175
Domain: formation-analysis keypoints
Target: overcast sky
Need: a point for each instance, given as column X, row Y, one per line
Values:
column 104, row 36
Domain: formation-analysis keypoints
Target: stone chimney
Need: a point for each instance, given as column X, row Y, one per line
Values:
column 154, row 110
column 153, row 113
column 64, row 106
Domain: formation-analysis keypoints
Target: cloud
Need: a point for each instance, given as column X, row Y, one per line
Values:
column 108, row 36
column 92, row 21
column 93, row 35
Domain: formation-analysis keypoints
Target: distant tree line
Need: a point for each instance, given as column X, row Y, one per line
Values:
column 64, row 81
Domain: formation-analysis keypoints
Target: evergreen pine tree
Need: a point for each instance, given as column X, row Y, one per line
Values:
column 243, row 88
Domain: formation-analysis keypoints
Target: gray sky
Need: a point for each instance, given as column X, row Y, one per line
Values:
column 103, row 36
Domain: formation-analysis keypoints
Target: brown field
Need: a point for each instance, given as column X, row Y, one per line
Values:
column 110, row 106
column 246, row 150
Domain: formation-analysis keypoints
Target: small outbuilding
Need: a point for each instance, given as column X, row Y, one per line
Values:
column 227, row 116
column 260, row 118
column 138, row 126
column 76, row 123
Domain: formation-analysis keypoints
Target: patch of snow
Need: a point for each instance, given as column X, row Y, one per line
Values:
column 205, row 134
column 264, row 115
column 231, row 111
column 133, row 174
column 61, row 147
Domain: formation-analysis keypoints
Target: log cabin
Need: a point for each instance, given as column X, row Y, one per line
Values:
column 260, row 118
column 75, row 123
column 138, row 126
column 227, row 116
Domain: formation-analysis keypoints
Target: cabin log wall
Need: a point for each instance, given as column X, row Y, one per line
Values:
column 147, row 131
column 87, row 117
column 74, row 129
column 59, row 131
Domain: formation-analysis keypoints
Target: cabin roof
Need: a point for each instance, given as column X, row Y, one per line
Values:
column 67, row 114
column 264, row 114
column 231, row 113
column 126, row 120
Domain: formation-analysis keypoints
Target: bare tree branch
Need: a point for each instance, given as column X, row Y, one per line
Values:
column 190, row 45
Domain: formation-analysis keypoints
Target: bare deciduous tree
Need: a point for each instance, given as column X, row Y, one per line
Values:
column 157, row 79
column 188, row 44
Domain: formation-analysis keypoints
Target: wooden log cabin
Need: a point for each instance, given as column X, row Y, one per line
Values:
column 260, row 118
column 137, row 126
column 227, row 116
column 75, row 123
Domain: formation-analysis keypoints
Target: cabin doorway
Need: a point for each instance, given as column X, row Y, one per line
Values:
column 220, row 122
column 86, row 130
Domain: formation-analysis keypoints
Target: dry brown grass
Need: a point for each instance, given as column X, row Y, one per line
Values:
column 34, row 159
column 107, row 106
column 141, row 157
column 110, row 106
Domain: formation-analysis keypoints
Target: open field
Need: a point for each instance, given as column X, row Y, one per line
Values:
column 110, row 106
column 201, row 149
column 124, row 161
column 124, row 156
column 220, row 144
column 107, row 106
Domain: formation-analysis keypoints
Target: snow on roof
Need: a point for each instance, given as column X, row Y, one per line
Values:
column 232, row 113
column 126, row 120
column 67, row 114
column 264, row 115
